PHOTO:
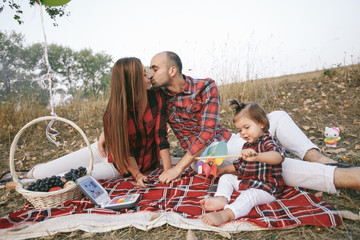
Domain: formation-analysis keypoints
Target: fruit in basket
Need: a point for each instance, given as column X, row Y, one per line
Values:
column 69, row 183
column 74, row 174
column 45, row 184
column 54, row 189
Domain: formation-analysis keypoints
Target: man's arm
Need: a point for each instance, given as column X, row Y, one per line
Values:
column 207, row 125
column 165, row 158
column 209, row 118
column 173, row 173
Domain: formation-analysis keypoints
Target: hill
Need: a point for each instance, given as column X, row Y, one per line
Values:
column 314, row 100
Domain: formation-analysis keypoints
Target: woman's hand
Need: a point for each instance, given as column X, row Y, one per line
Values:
column 101, row 145
column 140, row 179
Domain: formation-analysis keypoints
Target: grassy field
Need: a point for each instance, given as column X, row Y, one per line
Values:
column 314, row 100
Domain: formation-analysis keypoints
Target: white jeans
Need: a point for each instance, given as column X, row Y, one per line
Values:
column 246, row 200
column 101, row 168
column 296, row 173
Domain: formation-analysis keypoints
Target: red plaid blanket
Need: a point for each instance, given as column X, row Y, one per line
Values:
column 296, row 207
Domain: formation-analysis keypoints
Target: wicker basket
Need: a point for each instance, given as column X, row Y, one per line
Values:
column 43, row 200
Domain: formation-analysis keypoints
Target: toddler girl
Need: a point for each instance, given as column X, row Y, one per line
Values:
column 257, row 174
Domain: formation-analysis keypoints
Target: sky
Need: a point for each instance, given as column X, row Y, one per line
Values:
column 227, row 40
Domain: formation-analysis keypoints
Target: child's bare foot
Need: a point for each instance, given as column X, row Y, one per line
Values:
column 213, row 204
column 218, row 218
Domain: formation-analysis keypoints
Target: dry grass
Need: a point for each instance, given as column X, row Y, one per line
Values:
column 312, row 99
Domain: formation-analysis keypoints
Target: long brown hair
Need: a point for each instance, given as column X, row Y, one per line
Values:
column 128, row 91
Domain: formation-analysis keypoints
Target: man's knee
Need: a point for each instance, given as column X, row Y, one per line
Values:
column 275, row 119
column 278, row 114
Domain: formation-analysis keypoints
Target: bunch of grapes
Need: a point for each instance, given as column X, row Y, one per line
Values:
column 44, row 185
column 75, row 174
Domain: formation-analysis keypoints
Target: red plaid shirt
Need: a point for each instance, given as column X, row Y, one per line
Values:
column 193, row 114
column 261, row 175
column 151, row 137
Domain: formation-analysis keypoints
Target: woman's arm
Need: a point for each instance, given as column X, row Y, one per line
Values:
column 161, row 124
column 101, row 144
column 134, row 170
column 161, row 132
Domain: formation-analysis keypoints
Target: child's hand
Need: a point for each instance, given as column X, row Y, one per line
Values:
column 249, row 155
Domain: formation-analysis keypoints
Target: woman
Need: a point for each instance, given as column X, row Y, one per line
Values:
column 134, row 130
column 135, row 125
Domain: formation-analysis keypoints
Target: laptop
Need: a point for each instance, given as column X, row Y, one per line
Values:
column 99, row 196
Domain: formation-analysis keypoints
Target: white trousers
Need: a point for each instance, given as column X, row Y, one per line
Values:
column 101, row 168
column 296, row 173
column 246, row 200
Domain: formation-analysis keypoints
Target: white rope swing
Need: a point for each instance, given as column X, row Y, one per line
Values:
column 45, row 80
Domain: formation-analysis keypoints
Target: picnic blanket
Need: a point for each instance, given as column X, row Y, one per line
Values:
column 176, row 204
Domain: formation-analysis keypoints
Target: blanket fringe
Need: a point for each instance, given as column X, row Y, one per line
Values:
column 349, row 215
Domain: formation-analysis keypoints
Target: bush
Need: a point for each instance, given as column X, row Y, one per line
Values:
column 330, row 73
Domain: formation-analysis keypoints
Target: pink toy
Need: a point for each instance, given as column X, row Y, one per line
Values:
column 332, row 136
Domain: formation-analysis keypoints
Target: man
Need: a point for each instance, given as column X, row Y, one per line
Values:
column 193, row 109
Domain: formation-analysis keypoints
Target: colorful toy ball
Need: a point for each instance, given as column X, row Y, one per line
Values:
column 54, row 3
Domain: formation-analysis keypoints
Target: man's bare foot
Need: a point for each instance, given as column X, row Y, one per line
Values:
column 214, row 203
column 313, row 155
column 218, row 218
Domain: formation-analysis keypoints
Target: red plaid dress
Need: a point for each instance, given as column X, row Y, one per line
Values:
column 261, row 175
column 193, row 114
column 151, row 137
